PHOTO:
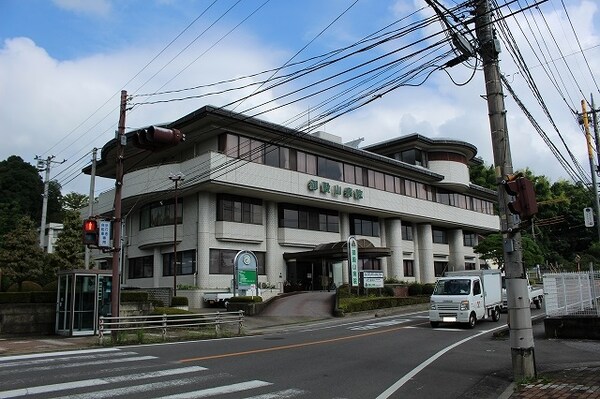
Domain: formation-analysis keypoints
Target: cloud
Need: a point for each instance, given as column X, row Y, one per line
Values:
column 100, row 8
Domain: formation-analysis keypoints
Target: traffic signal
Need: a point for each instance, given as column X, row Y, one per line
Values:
column 90, row 232
column 157, row 138
column 524, row 203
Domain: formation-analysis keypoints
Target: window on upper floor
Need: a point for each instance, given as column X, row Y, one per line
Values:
column 308, row 218
column 364, row 225
column 142, row 267
column 407, row 232
column 160, row 213
column 439, row 236
column 469, row 239
column 186, row 263
column 413, row 156
column 234, row 208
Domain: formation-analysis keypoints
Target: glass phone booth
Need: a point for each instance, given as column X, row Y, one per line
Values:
column 83, row 296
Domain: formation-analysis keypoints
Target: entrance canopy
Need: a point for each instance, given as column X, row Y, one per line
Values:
column 338, row 251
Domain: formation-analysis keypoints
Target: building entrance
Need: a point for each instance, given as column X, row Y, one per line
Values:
column 309, row 276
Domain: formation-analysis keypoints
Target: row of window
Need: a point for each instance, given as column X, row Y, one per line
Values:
column 253, row 150
column 221, row 262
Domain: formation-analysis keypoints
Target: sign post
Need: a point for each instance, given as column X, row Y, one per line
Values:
column 353, row 261
column 245, row 274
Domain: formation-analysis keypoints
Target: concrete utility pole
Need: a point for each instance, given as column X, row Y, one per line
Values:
column 121, row 142
column 45, row 165
column 176, row 177
column 588, row 138
column 519, row 312
column 91, row 203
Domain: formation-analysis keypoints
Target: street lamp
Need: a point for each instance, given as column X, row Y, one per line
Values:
column 175, row 177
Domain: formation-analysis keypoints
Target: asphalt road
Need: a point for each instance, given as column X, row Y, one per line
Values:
column 396, row 356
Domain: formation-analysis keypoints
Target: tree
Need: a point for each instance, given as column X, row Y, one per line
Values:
column 69, row 249
column 20, row 184
column 74, row 201
column 21, row 258
column 492, row 248
column 483, row 176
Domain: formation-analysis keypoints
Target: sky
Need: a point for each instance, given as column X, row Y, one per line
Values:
column 63, row 64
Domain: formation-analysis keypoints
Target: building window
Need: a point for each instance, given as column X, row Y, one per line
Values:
column 160, row 213
column 469, row 266
column 440, row 268
column 469, row 239
column 330, row 169
column 221, row 261
column 303, row 217
column 440, row 236
column 409, row 268
column 364, row 225
column 186, row 263
column 142, row 267
column 407, row 232
column 232, row 208
column 413, row 157
column 369, row 264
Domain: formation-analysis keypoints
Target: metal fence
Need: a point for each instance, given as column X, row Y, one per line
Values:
column 572, row 294
column 162, row 324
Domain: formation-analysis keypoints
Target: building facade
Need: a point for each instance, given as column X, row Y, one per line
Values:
column 293, row 199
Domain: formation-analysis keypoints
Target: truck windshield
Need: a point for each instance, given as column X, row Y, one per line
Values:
column 452, row 287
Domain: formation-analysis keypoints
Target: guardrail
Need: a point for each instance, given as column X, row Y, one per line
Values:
column 162, row 323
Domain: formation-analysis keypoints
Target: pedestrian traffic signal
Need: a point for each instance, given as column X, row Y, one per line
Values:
column 90, row 232
column 524, row 203
column 157, row 138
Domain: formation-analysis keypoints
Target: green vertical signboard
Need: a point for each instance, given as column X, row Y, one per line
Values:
column 353, row 261
column 245, row 266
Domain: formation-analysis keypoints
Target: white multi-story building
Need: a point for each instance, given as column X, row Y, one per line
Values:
column 293, row 199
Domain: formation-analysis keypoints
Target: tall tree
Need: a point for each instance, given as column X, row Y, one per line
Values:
column 492, row 248
column 483, row 176
column 21, row 183
column 21, row 258
column 74, row 201
column 69, row 249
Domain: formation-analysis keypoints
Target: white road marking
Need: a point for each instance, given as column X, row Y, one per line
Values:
column 53, row 354
column 205, row 393
column 398, row 384
column 96, row 381
column 287, row 393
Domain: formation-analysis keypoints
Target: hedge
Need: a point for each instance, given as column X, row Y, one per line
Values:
column 134, row 296
column 179, row 301
column 365, row 303
column 245, row 299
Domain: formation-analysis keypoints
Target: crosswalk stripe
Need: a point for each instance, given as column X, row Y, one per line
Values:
column 5, row 359
column 96, row 381
column 86, row 356
column 232, row 388
column 79, row 364
column 287, row 393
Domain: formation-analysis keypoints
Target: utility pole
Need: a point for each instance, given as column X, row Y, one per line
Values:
column 588, row 138
column 519, row 312
column 45, row 165
column 91, row 203
column 121, row 142
column 175, row 177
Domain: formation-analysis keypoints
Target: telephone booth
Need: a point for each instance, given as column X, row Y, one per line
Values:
column 83, row 296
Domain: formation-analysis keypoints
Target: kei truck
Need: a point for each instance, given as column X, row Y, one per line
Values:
column 466, row 297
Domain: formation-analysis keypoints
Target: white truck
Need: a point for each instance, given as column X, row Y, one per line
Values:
column 465, row 297
column 536, row 295
column 217, row 298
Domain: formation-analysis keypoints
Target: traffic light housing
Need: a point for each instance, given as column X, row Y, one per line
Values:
column 524, row 203
column 157, row 138
column 90, row 232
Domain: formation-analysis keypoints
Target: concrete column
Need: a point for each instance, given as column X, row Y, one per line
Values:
column 383, row 238
column 457, row 250
column 426, row 268
column 275, row 265
column 157, row 267
column 394, row 243
column 344, row 234
column 205, row 223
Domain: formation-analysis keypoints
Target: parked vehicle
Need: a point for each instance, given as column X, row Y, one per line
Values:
column 217, row 298
column 466, row 297
column 536, row 295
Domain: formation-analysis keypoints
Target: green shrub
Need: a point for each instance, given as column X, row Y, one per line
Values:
column 360, row 304
column 26, row 286
column 15, row 297
column 134, row 296
column 43, row 297
column 157, row 303
column 53, row 286
column 245, row 299
column 428, row 289
column 168, row 311
column 415, row 289
column 179, row 301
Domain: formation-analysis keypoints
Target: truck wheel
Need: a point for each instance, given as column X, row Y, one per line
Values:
column 472, row 321
column 496, row 314
column 434, row 324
